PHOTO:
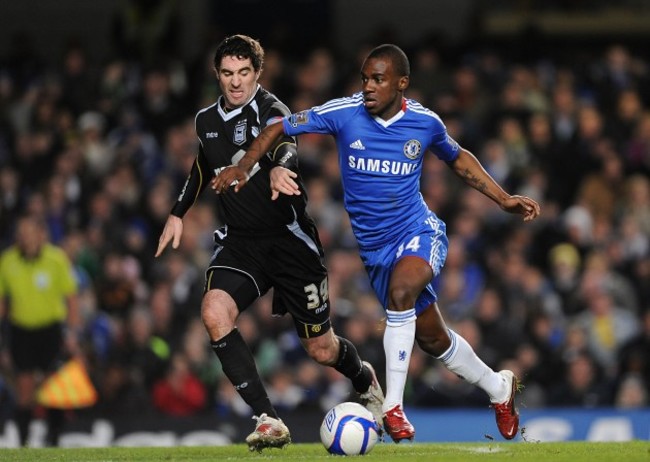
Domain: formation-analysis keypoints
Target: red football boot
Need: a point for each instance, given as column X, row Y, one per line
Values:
column 397, row 425
column 506, row 413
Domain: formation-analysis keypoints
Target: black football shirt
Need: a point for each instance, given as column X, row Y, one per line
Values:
column 224, row 137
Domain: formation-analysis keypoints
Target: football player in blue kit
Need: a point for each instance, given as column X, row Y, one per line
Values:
column 381, row 138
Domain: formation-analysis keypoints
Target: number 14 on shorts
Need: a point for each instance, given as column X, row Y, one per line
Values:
column 412, row 246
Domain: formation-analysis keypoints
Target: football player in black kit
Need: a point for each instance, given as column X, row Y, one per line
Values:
column 264, row 243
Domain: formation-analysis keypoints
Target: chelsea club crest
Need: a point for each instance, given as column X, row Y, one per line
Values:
column 412, row 149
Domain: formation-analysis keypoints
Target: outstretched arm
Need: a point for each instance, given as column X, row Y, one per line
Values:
column 472, row 172
column 194, row 185
column 238, row 174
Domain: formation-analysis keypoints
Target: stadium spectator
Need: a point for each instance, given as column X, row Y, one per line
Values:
column 583, row 385
column 179, row 393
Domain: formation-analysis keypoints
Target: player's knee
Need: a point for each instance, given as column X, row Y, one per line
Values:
column 324, row 357
column 218, row 320
column 401, row 297
column 208, row 313
column 322, row 352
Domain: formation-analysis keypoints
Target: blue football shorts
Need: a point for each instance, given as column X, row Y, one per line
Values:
column 427, row 240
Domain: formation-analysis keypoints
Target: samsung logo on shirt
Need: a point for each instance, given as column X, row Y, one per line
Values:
column 381, row 166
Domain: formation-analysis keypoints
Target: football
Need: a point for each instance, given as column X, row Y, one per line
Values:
column 349, row 429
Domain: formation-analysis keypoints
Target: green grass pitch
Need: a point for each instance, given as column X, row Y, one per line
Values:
column 632, row 451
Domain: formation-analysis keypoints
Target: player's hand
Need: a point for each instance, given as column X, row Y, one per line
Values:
column 171, row 233
column 232, row 175
column 5, row 360
column 71, row 342
column 522, row 205
column 282, row 181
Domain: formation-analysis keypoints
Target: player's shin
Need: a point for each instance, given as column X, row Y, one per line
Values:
column 349, row 364
column 461, row 359
column 398, row 345
column 238, row 364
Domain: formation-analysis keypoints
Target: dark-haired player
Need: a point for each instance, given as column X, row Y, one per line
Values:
column 263, row 244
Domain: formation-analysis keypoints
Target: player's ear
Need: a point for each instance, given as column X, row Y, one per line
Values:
column 403, row 83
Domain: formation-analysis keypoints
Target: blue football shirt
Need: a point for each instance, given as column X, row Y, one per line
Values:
column 380, row 161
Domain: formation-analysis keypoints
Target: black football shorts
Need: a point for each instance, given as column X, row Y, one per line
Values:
column 36, row 349
column 291, row 263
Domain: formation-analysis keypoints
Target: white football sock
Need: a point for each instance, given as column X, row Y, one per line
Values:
column 399, row 338
column 462, row 361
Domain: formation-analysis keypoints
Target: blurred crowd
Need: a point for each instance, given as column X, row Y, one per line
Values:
column 100, row 150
